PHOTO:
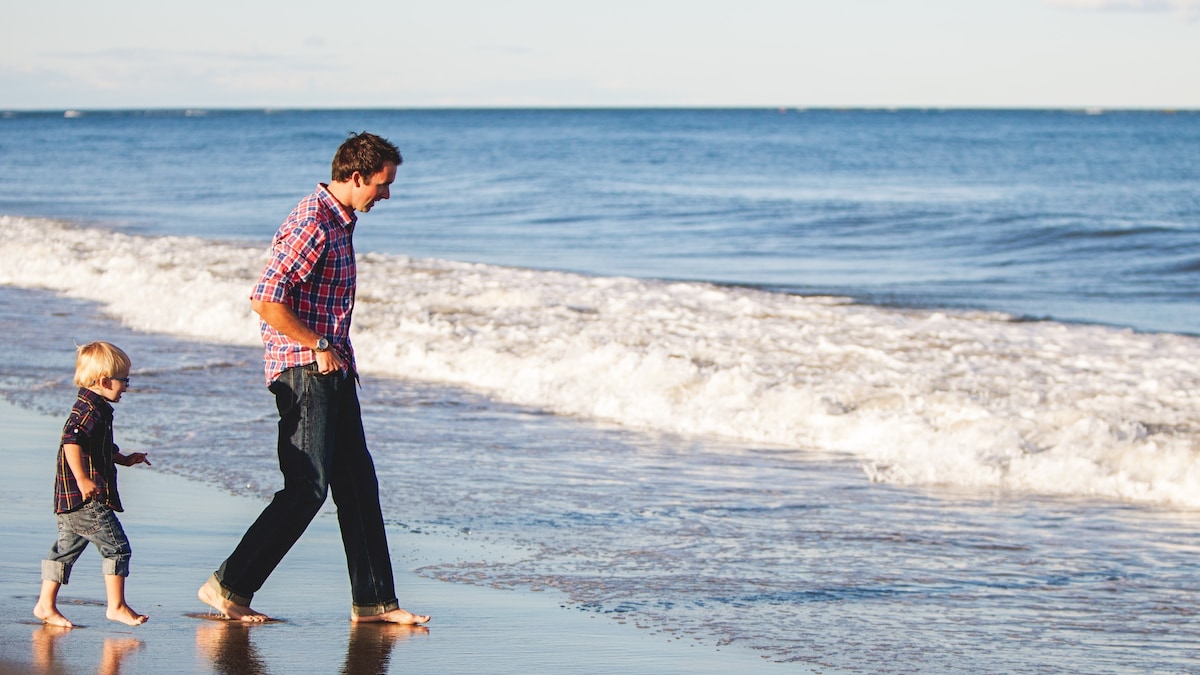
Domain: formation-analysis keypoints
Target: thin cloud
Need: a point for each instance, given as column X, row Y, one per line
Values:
column 150, row 55
column 135, row 76
column 504, row 49
column 1187, row 8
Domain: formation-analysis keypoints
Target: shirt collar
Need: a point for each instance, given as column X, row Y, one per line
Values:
column 96, row 400
column 347, row 217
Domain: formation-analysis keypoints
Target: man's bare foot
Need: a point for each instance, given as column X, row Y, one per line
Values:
column 125, row 615
column 228, row 608
column 52, row 617
column 402, row 616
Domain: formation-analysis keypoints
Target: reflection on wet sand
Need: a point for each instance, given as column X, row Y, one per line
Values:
column 228, row 647
column 44, row 637
column 112, row 654
column 115, row 651
column 370, row 646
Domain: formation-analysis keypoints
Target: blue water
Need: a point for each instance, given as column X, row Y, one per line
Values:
column 1045, row 214
column 967, row 493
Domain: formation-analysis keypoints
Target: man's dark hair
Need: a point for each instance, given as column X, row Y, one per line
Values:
column 365, row 153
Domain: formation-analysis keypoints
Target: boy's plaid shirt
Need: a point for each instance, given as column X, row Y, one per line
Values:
column 90, row 427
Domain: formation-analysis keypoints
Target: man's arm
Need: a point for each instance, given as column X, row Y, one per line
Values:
column 283, row 319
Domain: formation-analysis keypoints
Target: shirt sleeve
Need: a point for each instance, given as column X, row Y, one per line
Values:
column 294, row 255
column 79, row 428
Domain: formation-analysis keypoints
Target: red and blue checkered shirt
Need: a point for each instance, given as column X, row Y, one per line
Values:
column 90, row 427
column 312, row 271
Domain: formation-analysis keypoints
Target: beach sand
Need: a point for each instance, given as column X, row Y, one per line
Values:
column 181, row 530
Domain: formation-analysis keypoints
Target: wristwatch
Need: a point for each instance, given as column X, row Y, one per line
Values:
column 322, row 345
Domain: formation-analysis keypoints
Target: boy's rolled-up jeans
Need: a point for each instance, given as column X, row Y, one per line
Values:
column 95, row 523
column 322, row 449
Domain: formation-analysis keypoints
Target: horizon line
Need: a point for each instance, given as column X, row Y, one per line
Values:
column 200, row 110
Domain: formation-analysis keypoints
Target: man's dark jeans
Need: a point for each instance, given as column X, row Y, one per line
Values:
column 322, row 448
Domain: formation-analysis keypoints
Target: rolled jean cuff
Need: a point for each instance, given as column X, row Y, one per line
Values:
column 53, row 570
column 374, row 610
column 115, row 567
column 243, row 600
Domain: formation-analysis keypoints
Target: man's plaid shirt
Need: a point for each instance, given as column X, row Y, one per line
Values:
column 311, row 270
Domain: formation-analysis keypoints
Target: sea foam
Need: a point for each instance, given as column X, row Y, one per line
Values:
column 966, row 399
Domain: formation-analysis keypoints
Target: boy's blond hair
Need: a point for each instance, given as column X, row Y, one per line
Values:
column 99, row 359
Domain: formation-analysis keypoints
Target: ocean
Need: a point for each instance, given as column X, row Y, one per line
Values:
column 861, row 390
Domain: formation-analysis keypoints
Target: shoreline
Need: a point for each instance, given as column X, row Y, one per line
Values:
column 180, row 529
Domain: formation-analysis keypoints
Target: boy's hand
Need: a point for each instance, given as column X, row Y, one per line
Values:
column 137, row 458
column 87, row 487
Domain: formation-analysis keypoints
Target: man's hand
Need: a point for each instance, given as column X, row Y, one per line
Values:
column 329, row 361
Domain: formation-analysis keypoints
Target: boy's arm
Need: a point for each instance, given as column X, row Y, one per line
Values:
column 131, row 459
column 74, row 455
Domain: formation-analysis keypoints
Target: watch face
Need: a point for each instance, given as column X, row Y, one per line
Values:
column 322, row 345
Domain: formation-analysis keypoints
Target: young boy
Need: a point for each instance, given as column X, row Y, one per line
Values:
column 85, row 489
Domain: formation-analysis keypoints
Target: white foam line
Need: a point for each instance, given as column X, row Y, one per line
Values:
column 968, row 399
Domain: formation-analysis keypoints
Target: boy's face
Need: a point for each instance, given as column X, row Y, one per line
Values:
column 112, row 387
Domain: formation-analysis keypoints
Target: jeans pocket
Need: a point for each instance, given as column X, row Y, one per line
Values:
column 87, row 519
column 314, row 371
column 288, row 388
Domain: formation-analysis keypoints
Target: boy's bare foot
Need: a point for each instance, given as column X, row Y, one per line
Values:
column 402, row 616
column 126, row 615
column 52, row 617
column 228, row 608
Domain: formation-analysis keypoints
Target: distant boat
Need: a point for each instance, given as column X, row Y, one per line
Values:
column 73, row 113
column 1095, row 111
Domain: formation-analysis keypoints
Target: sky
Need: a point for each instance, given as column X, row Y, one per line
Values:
column 151, row 54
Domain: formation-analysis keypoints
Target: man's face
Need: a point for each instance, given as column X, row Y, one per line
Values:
column 367, row 191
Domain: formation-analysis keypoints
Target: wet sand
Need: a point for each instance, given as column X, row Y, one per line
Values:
column 181, row 529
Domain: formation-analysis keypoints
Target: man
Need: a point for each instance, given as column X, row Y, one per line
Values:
column 305, row 298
